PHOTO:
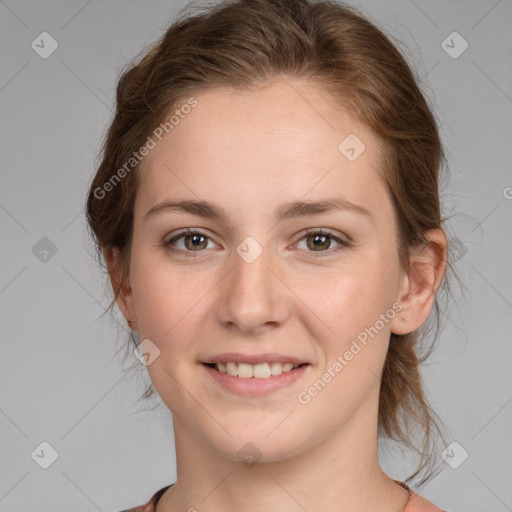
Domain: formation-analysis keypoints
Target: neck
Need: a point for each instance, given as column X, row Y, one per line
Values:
column 340, row 474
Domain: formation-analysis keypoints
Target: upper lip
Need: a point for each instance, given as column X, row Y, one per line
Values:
column 237, row 357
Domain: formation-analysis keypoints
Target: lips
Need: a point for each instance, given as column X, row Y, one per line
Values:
column 256, row 383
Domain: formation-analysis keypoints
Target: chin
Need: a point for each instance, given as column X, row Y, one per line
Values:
column 261, row 445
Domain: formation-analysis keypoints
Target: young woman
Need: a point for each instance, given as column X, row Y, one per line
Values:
column 268, row 210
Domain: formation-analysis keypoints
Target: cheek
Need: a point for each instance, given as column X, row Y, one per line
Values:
column 172, row 302
column 350, row 298
column 162, row 295
column 350, row 304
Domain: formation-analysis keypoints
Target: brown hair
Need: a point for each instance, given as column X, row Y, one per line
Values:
column 247, row 43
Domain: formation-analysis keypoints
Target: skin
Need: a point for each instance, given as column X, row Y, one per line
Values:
column 249, row 152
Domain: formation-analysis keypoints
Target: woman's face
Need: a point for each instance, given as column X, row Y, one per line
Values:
column 261, row 284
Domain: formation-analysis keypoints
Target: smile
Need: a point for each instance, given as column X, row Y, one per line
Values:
column 258, row 371
column 253, row 380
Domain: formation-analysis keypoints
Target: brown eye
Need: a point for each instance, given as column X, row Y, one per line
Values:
column 187, row 241
column 195, row 241
column 320, row 242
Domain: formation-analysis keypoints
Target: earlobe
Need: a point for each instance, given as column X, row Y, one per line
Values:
column 399, row 324
column 419, row 286
column 124, row 298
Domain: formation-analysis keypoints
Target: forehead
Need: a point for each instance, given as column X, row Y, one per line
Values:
column 280, row 142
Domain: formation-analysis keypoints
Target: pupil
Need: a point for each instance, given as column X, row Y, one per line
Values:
column 195, row 240
column 319, row 240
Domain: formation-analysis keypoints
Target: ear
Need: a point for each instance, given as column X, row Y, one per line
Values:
column 125, row 297
column 419, row 285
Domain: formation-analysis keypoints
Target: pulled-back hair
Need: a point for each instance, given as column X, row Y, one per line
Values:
column 245, row 44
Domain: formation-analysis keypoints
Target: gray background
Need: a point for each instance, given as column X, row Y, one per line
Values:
column 61, row 381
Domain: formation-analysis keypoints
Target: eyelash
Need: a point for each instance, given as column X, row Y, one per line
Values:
column 343, row 243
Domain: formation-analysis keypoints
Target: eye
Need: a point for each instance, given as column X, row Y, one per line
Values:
column 319, row 241
column 193, row 241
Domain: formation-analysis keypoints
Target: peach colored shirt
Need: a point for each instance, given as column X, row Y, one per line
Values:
column 416, row 502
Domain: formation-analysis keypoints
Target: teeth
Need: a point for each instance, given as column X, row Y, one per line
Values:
column 259, row 371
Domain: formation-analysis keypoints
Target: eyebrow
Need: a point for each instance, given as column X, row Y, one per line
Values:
column 291, row 210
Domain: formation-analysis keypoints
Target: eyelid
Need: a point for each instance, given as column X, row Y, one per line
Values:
column 343, row 240
column 324, row 231
column 187, row 231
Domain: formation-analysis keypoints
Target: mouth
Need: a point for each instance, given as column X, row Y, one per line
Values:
column 255, row 375
column 256, row 371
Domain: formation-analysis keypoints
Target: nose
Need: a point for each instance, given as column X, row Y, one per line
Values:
column 252, row 297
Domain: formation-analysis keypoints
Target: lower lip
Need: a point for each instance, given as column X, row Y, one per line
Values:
column 253, row 386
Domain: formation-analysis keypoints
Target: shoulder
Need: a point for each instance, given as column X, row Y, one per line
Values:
column 417, row 503
column 150, row 506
